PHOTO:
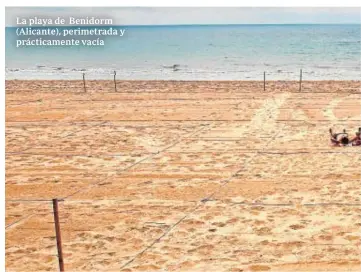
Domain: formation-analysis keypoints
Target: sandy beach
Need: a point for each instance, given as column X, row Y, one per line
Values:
column 182, row 175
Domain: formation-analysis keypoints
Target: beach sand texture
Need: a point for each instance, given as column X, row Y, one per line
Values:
column 183, row 176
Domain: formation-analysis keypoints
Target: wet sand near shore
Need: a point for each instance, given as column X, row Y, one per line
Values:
column 183, row 176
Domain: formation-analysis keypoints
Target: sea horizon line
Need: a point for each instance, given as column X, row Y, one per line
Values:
column 198, row 25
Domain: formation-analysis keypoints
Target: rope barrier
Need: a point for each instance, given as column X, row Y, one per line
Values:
column 131, row 166
column 198, row 203
column 202, row 201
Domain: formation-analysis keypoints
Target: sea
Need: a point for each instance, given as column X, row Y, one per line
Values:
column 198, row 52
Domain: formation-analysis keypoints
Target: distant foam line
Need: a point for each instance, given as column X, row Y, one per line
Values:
column 177, row 72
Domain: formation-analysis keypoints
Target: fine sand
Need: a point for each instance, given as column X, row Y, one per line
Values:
column 182, row 176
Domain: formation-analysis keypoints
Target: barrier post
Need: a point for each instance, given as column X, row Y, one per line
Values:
column 264, row 81
column 84, row 82
column 58, row 234
column 115, row 82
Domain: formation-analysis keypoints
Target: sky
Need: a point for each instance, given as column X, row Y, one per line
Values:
column 188, row 15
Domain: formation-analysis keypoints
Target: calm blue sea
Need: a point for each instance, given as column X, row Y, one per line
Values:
column 212, row 52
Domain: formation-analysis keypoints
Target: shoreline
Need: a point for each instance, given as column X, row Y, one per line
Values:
column 181, row 80
column 179, row 86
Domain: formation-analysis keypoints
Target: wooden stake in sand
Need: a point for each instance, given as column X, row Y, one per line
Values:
column 300, row 80
column 58, row 234
column 84, row 82
column 264, row 81
column 115, row 82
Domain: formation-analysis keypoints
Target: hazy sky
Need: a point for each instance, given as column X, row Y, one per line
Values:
column 164, row 16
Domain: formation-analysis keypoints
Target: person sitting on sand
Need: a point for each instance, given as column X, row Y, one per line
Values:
column 339, row 139
column 356, row 141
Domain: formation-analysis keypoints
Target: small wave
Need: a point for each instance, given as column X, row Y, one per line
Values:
column 323, row 66
column 346, row 42
column 174, row 66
